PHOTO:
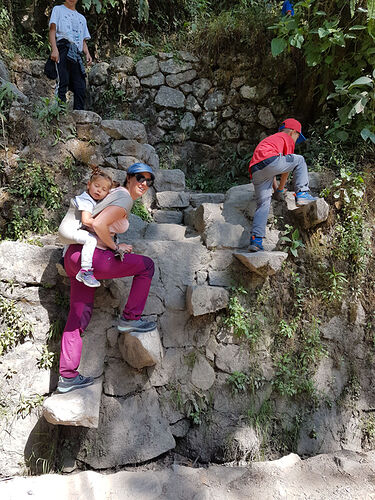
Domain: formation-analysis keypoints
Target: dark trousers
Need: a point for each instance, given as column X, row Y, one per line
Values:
column 70, row 78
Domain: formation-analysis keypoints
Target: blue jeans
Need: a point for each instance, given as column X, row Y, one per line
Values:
column 263, row 179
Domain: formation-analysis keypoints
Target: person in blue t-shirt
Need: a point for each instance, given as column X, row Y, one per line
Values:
column 287, row 8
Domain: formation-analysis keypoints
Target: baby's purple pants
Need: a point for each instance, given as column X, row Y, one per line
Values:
column 106, row 266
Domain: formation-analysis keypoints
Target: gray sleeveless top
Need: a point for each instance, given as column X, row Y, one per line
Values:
column 120, row 197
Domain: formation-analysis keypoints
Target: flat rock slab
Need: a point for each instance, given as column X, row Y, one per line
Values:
column 323, row 476
column 79, row 407
column 262, row 263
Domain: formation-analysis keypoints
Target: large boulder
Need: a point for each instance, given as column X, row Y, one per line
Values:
column 130, row 431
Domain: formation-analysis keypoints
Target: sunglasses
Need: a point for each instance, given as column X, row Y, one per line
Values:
column 141, row 178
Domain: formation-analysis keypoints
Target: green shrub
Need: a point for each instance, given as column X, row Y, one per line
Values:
column 36, row 192
column 14, row 328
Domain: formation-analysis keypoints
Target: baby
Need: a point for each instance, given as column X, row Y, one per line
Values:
column 79, row 216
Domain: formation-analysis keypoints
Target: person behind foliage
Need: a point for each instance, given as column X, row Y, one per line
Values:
column 67, row 36
column 274, row 156
column 111, row 260
column 78, row 221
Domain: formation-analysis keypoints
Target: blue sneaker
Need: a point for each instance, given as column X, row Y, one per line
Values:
column 256, row 244
column 304, row 198
column 68, row 384
column 135, row 325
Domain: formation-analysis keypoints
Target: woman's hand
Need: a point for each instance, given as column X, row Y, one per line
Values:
column 126, row 248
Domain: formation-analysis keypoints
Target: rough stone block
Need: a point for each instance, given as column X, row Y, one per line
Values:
column 121, row 379
column 165, row 232
column 309, row 215
column 168, row 216
column 125, row 129
column 225, row 235
column 203, row 375
column 169, row 180
column 172, row 199
column 131, row 430
column 79, row 407
column 170, row 98
column 197, row 199
column 141, row 349
column 262, row 263
column 203, row 299
column 205, row 215
column 147, row 66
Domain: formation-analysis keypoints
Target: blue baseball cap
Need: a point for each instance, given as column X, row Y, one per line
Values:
column 293, row 125
column 138, row 168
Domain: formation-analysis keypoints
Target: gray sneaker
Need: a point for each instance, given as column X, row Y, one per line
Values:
column 135, row 325
column 86, row 276
column 68, row 384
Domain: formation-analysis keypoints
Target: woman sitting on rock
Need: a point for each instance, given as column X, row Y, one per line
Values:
column 110, row 261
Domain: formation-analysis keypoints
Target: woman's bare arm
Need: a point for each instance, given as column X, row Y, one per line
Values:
column 102, row 222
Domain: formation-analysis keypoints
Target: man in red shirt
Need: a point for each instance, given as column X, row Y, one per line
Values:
column 274, row 156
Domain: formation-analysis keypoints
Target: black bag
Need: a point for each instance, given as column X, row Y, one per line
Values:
column 50, row 69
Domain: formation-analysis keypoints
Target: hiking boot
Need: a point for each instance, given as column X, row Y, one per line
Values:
column 304, row 198
column 69, row 384
column 86, row 276
column 256, row 244
column 135, row 325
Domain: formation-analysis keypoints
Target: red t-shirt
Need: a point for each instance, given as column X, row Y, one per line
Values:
column 279, row 143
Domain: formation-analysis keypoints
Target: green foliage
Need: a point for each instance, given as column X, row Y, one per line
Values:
column 14, row 328
column 140, row 210
column 55, row 330
column 35, row 188
column 27, row 404
column 49, row 109
column 6, row 98
column 33, row 182
column 46, row 359
column 350, row 241
column 240, row 28
column 292, row 239
column 336, row 39
column 335, row 283
column 196, row 407
column 368, row 431
column 238, row 381
column 233, row 171
column 71, row 170
column 294, row 369
column 244, row 321
column 110, row 102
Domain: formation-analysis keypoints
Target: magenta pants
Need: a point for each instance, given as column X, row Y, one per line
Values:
column 106, row 266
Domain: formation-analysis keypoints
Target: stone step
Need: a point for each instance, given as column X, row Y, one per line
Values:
column 262, row 263
column 308, row 215
column 79, row 407
column 141, row 349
